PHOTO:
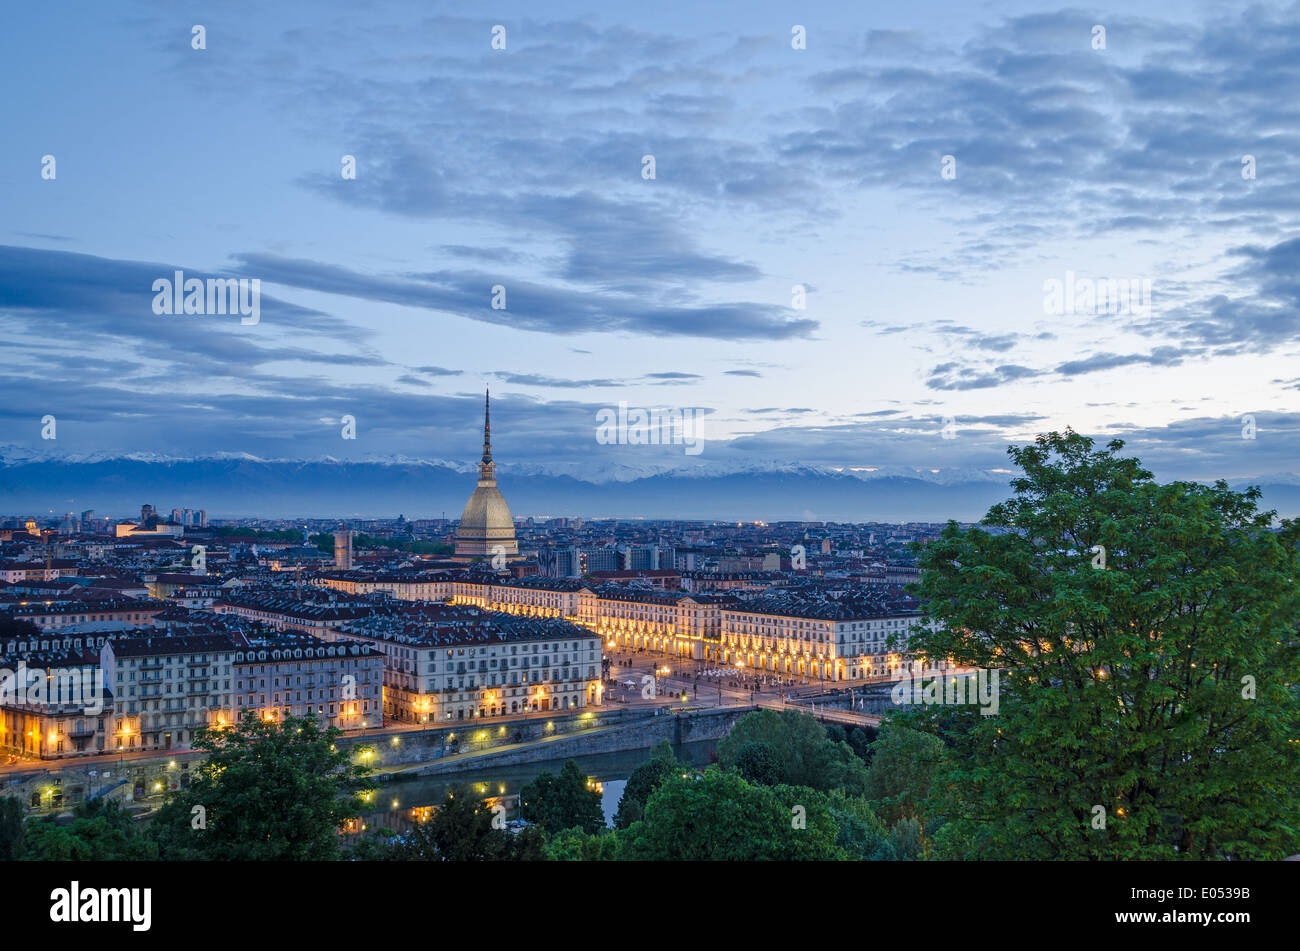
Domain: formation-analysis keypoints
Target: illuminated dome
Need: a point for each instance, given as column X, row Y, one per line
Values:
column 487, row 528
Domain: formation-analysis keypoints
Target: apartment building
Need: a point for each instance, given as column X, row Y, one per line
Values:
column 848, row 638
column 51, row 615
column 340, row 683
column 449, row 662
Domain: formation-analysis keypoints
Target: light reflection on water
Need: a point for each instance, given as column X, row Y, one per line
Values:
column 610, row 769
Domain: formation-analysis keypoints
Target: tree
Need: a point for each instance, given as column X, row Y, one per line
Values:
column 100, row 831
column 860, row 741
column 905, row 764
column 575, row 845
column 807, row 756
column 267, row 791
column 717, row 816
column 760, row 763
column 464, row 829
column 862, row 836
column 565, row 801
column 905, row 841
column 644, row 780
column 11, row 828
column 1147, row 639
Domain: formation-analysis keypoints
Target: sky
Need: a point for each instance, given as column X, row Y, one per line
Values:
column 843, row 258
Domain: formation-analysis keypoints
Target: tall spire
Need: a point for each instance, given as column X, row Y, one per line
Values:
column 486, row 465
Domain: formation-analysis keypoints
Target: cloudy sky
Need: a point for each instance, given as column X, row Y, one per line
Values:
column 922, row 171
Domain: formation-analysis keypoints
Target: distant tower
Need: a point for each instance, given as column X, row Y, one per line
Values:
column 343, row 550
column 487, row 529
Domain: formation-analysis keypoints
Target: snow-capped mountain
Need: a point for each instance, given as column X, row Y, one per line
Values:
column 234, row 484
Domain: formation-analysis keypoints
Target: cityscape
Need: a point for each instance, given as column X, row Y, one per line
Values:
column 657, row 435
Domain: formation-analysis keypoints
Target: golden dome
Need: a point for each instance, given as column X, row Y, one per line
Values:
column 487, row 528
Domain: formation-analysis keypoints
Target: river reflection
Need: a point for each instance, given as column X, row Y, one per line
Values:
column 406, row 798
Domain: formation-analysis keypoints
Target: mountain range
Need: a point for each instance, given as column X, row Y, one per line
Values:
column 234, row 485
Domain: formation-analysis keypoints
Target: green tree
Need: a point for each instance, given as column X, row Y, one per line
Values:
column 905, row 765
column 905, row 841
column 1147, row 639
column 760, row 763
column 718, row 816
column 644, row 780
column 463, row 828
column 11, row 829
column 100, row 831
column 575, row 845
column 267, row 791
column 861, row 834
column 563, row 801
column 860, row 741
column 807, row 756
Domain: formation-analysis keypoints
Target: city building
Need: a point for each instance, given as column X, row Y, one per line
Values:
column 450, row 662
column 339, row 684
column 847, row 638
column 343, row 550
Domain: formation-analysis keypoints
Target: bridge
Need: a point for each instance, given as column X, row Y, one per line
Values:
column 825, row 713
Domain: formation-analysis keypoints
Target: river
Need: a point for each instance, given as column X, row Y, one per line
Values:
column 402, row 795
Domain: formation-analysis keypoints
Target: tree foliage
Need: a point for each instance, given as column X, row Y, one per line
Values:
column 760, row 763
column 717, row 816
column 562, row 801
column 267, row 790
column 806, row 755
column 465, row 829
column 905, row 765
column 575, row 845
column 1147, row 639
column 12, row 830
column 644, row 780
column 100, row 831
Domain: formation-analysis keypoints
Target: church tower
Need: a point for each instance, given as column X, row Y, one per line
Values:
column 487, row 529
